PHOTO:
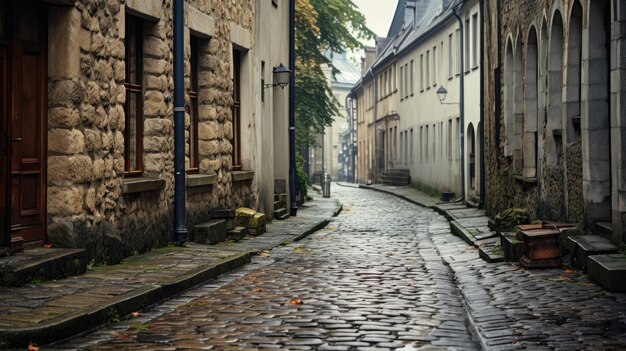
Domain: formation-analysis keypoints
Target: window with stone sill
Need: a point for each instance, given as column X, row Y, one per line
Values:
column 133, row 108
column 236, row 141
column 192, row 153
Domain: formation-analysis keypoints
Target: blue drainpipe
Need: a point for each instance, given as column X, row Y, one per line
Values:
column 180, row 227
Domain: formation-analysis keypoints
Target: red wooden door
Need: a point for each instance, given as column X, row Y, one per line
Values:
column 27, row 125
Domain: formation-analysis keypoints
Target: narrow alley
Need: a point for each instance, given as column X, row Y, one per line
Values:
column 385, row 274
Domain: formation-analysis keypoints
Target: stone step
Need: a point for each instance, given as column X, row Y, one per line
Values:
column 243, row 216
column 279, row 204
column 211, row 232
column 223, row 213
column 41, row 264
column 281, row 213
column 395, row 176
column 491, row 253
column 603, row 228
column 398, row 171
column 512, row 248
column 448, row 196
column 280, row 197
column 394, row 183
column 256, row 225
column 608, row 271
column 237, row 233
column 581, row 247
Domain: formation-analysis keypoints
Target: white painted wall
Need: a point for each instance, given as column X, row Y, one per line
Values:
column 271, row 119
column 436, row 156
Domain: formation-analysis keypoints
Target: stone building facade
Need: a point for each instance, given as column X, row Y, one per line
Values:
column 555, row 122
column 402, row 125
column 335, row 142
column 98, row 173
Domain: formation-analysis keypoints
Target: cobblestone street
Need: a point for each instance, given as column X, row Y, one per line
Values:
column 385, row 274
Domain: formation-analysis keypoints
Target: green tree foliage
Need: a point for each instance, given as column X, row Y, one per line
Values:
column 321, row 26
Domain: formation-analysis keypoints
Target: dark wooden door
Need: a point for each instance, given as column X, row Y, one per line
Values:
column 5, row 238
column 27, row 124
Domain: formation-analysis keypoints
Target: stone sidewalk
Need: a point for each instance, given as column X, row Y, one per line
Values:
column 50, row 311
column 513, row 308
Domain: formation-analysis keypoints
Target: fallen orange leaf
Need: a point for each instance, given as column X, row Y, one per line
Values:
column 264, row 253
column 257, row 290
column 253, row 278
column 47, row 246
column 295, row 302
column 568, row 271
column 136, row 314
column 33, row 347
column 564, row 279
column 122, row 336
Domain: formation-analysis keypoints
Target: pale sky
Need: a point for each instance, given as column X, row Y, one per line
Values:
column 378, row 14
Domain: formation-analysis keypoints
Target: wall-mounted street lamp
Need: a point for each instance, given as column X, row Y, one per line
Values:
column 442, row 93
column 282, row 76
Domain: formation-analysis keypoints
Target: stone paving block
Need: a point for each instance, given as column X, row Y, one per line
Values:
column 512, row 248
column 211, row 232
column 609, row 271
column 583, row 246
column 41, row 264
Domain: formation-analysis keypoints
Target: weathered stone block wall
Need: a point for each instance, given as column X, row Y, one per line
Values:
column 86, row 124
column 545, row 198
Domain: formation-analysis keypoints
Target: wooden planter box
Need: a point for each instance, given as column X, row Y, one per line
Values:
column 541, row 248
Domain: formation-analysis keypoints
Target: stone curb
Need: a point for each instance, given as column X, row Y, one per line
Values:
column 461, row 232
column 456, row 227
column 319, row 225
column 93, row 316
column 362, row 186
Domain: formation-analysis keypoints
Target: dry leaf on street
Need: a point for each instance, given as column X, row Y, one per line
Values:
column 47, row 246
column 295, row 302
column 564, row 279
column 136, row 314
column 33, row 347
column 264, row 253
column 257, row 290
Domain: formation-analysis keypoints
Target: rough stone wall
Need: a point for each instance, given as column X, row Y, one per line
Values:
column 86, row 130
column 544, row 198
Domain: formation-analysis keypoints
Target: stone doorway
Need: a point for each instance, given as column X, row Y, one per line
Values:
column 471, row 160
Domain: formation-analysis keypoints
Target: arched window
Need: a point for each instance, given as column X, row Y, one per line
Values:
column 531, row 106
column 574, row 83
column 518, row 116
column 508, row 98
column 555, row 93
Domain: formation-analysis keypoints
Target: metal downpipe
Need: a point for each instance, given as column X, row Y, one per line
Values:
column 180, row 227
column 461, row 98
column 292, row 111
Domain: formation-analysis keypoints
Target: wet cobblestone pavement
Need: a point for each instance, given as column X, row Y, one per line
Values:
column 383, row 275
